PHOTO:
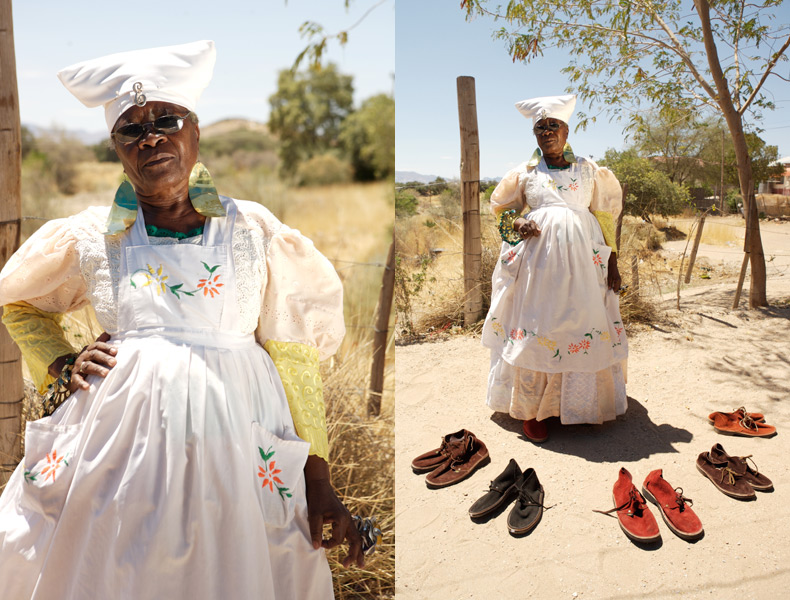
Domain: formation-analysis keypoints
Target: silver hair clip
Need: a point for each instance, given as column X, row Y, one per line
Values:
column 542, row 114
column 139, row 97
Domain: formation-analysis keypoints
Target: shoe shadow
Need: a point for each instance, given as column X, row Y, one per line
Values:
column 631, row 437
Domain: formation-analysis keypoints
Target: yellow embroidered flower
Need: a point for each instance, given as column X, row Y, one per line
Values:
column 497, row 327
column 605, row 336
column 547, row 343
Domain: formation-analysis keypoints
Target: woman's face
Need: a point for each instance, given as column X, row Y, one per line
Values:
column 158, row 164
column 551, row 142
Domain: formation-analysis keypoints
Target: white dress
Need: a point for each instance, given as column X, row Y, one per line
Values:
column 180, row 474
column 557, row 340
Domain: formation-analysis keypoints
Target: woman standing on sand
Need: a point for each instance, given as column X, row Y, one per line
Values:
column 558, row 346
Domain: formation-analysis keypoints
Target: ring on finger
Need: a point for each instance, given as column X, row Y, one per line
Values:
column 82, row 368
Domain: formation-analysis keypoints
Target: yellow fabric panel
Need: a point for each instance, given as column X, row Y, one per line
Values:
column 39, row 337
column 606, row 221
column 297, row 365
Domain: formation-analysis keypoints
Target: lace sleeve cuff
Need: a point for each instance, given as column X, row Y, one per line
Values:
column 297, row 365
column 39, row 337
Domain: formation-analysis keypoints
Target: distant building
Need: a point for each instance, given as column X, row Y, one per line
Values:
column 780, row 184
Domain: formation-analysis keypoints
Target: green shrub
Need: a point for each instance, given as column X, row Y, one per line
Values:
column 324, row 169
column 405, row 204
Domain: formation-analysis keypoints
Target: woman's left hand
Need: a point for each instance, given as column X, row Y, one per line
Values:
column 323, row 506
column 613, row 280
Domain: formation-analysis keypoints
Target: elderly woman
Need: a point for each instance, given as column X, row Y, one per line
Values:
column 558, row 347
column 189, row 460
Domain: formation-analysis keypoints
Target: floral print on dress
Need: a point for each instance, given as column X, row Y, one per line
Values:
column 157, row 278
column 598, row 259
column 269, row 472
column 54, row 463
column 509, row 257
column 518, row 334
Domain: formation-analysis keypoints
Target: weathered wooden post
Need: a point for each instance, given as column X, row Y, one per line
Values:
column 741, row 277
column 11, row 386
column 470, row 198
column 635, row 274
column 381, row 332
column 694, row 249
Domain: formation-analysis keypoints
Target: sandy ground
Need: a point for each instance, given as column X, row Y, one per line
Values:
column 703, row 358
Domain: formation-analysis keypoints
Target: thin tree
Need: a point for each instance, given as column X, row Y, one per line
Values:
column 626, row 56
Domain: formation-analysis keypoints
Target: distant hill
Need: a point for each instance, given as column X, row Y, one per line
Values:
column 229, row 125
column 406, row 176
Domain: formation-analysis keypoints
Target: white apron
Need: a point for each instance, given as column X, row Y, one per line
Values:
column 180, row 475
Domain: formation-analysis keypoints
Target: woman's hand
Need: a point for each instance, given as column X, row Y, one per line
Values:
column 613, row 280
column 526, row 229
column 94, row 359
column 323, row 506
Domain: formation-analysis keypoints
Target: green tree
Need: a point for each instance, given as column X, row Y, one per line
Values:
column 624, row 55
column 307, row 111
column 28, row 142
column 368, row 135
column 650, row 191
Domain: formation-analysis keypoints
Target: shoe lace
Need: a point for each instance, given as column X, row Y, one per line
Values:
column 681, row 500
column 751, row 460
column 460, row 458
column 635, row 501
column 748, row 423
column 526, row 499
column 730, row 474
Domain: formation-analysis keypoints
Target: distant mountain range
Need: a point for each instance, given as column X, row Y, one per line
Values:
column 94, row 137
column 406, row 176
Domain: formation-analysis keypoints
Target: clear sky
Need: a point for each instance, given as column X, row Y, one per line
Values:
column 435, row 45
column 254, row 38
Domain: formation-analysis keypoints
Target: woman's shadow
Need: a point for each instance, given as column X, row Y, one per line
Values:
column 631, row 437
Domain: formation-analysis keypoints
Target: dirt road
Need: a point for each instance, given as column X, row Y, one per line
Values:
column 698, row 360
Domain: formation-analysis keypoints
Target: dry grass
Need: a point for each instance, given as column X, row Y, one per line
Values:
column 352, row 225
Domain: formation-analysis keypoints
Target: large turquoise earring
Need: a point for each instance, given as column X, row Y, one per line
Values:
column 203, row 193
column 124, row 209
column 567, row 153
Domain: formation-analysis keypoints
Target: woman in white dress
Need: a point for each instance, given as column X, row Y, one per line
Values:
column 558, row 346
column 188, row 461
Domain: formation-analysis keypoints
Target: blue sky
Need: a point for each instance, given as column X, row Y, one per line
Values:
column 434, row 45
column 255, row 39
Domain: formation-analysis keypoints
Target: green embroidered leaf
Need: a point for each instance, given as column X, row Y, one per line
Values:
column 132, row 282
column 188, row 293
column 210, row 269
column 556, row 354
column 269, row 453
column 30, row 476
column 589, row 335
column 284, row 493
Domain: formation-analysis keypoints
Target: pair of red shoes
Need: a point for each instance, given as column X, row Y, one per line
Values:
column 635, row 518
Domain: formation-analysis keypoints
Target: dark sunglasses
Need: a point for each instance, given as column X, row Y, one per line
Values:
column 167, row 124
column 551, row 126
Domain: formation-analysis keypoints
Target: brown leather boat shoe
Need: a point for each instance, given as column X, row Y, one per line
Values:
column 428, row 461
column 464, row 459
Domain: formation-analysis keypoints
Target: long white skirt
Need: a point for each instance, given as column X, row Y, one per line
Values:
column 178, row 476
column 558, row 345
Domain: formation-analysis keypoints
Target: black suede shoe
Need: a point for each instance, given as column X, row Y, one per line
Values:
column 527, row 511
column 501, row 491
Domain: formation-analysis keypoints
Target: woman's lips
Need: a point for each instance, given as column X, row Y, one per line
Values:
column 158, row 160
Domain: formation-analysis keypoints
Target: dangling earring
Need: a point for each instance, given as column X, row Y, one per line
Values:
column 203, row 193
column 124, row 208
column 567, row 153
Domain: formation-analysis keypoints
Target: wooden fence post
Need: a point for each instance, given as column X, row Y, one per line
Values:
column 470, row 198
column 635, row 274
column 11, row 385
column 741, row 277
column 380, row 337
column 696, row 246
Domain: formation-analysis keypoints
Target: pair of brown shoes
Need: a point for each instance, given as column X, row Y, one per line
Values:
column 510, row 484
column 732, row 475
column 457, row 457
column 635, row 518
column 740, row 422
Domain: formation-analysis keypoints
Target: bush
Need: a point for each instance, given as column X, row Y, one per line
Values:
column 405, row 204
column 324, row 169
column 732, row 199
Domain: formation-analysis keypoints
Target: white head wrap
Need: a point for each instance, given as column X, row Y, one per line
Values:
column 548, row 107
column 176, row 74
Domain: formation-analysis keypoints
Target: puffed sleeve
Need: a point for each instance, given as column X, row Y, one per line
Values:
column 38, row 283
column 607, row 204
column 509, row 193
column 303, row 298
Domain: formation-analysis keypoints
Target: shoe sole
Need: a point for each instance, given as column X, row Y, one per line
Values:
column 745, row 433
column 435, row 486
column 423, row 470
column 727, row 492
column 681, row 534
column 632, row 536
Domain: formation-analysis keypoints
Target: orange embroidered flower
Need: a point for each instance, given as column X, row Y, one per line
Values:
column 209, row 285
column 574, row 348
column 597, row 260
column 584, row 345
column 269, row 477
column 54, row 462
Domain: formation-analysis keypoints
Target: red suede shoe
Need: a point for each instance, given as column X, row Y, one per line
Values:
column 536, row 431
column 674, row 506
column 633, row 514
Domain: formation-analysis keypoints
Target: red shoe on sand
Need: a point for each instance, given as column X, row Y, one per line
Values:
column 633, row 514
column 674, row 506
column 536, row 431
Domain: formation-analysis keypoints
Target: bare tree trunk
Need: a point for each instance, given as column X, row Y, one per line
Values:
column 380, row 338
column 11, row 386
column 753, row 244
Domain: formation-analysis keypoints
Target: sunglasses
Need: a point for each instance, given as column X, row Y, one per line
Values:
column 167, row 124
column 551, row 126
